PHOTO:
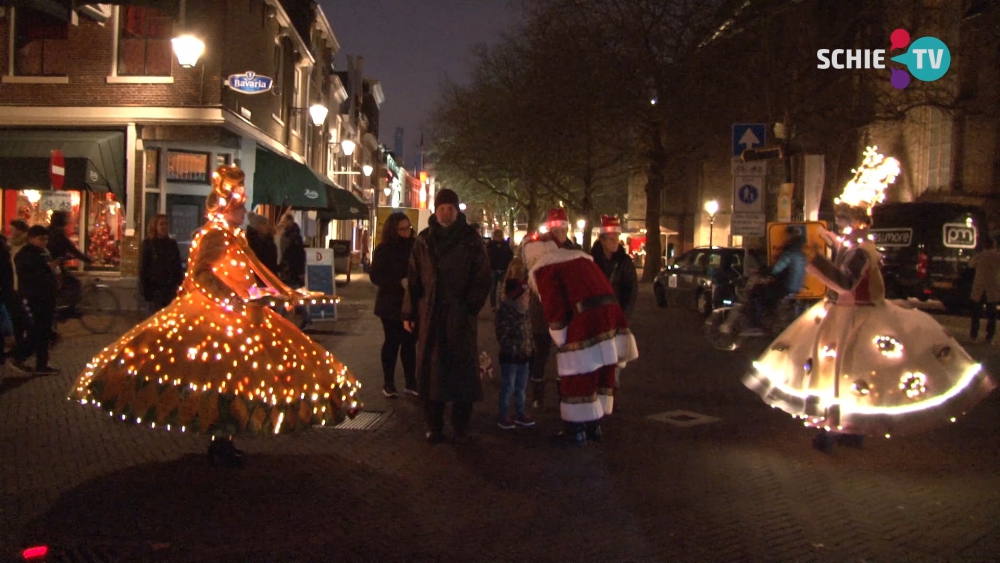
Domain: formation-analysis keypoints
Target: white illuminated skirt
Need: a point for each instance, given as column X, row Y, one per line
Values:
column 868, row 369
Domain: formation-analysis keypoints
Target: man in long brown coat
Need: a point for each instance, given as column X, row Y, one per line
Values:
column 448, row 282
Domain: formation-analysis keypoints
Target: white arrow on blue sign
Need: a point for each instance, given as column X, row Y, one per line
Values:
column 747, row 136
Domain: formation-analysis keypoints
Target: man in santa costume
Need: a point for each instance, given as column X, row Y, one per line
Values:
column 589, row 330
column 557, row 225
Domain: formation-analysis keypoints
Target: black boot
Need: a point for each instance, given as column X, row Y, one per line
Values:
column 594, row 431
column 223, row 450
column 573, row 434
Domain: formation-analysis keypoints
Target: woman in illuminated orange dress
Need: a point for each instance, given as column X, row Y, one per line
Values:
column 214, row 361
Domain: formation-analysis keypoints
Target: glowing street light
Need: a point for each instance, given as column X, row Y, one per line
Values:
column 317, row 112
column 367, row 170
column 347, row 146
column 711, row 207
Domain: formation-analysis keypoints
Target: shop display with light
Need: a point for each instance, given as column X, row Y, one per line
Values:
column 858, row 364
column 217, row 360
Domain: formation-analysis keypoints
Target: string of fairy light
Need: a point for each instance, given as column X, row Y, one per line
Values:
column 218, row 339
column 866, row 190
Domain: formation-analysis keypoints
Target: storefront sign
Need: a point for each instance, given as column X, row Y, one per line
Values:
column 56, row 201
column 249, row 83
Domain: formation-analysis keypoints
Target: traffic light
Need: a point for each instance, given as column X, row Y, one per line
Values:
column 762, row 154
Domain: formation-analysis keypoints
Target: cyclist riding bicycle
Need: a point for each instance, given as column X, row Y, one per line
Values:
column 786, row 279
column 62, row 249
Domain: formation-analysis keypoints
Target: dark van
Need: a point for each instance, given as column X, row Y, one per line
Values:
column 926, row 249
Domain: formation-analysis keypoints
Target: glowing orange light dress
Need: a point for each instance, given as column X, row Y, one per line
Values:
column 213, row 362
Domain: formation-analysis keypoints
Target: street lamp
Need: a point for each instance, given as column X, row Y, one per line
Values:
column 387, row 191
column 347, row 146
column 188, row 48
column 367, row 170
column 711, row 207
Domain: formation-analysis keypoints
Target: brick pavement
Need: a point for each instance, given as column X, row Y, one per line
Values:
column 746, row 488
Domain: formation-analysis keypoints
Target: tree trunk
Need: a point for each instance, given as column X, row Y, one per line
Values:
column 655, row 181
column 587, row 208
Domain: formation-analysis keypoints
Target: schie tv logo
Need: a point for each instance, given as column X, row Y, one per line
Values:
column 928, row 58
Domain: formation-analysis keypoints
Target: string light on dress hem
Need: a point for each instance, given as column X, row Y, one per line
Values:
column 198, row 362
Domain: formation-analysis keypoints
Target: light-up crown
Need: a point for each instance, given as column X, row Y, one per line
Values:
column 867, row 188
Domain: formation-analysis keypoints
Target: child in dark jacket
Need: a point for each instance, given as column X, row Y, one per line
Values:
column 513, row 330
column 38, row 288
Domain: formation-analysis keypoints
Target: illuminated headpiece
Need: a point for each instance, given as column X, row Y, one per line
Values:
column 867, row 188
column 227, row 190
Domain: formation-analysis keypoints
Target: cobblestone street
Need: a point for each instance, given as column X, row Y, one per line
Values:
column 744, row 486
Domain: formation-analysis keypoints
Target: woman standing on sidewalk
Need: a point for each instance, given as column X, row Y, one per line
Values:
column 160, row 270
column 389, row 268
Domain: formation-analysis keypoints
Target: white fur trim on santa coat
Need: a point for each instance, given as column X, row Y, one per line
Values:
column 558, row 336
column 607, row 403
column 613, row 351
column 581, row 412
column 553, row 256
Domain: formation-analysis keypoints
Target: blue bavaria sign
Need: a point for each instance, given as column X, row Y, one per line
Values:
column 249, row 83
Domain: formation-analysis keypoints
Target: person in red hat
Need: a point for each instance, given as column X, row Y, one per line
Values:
column 557, row 225
column 611, row 258
column 590, row 331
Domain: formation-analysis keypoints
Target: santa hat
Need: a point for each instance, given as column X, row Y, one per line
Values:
column 557, row 218
column 610, row 224
column 533, row 251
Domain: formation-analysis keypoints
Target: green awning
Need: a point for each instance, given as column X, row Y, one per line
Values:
column 344, row 205
column 281, row 181
column 95, row 160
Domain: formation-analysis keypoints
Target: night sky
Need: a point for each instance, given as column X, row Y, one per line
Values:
column 410, row 47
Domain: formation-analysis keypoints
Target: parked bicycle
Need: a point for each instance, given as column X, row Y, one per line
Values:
column 98, row 307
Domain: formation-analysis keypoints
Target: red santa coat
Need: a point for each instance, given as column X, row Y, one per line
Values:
column 587, row 325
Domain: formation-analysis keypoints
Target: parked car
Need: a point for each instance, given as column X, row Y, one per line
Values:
column 926, row 248
column 704, row 278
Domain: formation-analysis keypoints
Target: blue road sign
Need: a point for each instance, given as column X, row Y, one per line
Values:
column 748, row 136
column 748, row 194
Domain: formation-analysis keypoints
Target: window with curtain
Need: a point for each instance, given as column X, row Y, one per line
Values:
column 144, row 47
column 41, row 44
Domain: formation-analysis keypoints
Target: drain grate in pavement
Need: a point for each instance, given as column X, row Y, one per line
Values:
column 365, row 420
column 683, row 418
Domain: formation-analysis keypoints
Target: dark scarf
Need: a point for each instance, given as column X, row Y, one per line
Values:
column 446, row 237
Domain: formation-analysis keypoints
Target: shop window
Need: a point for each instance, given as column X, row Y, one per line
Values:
column 152, row 168
column 144, row 47
column 185, row 166
column 41, row 44
column 186, row 214
column 35, row 207
column 105, row 226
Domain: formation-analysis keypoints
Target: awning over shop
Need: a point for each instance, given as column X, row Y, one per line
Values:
column 344, row 205
column 279, row 180
column 61, row 9
column 95, row 160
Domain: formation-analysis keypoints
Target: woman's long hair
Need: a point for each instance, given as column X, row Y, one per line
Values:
column 151, row 232
column 390, row 235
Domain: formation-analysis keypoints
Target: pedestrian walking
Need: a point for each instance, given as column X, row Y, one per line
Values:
column 8, row 301
column 517, row 345
column 260, row 237
column 36, row 272
column 617, row 266
column 62, row 249
column 292, row 268
column 611, row 258
column 500, row 255
column 985, row 289
column 589, row 330
column 558, row 232
column 15, row 306
column 161, row 270
column 390, row 264
column 447, row 284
